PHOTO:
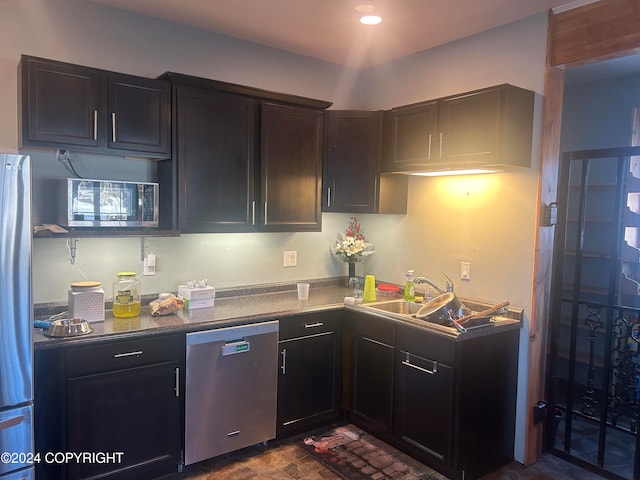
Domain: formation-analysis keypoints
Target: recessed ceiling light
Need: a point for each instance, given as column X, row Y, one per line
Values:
column 370, row 20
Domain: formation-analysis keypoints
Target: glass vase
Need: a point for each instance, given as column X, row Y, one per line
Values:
column 352, row 269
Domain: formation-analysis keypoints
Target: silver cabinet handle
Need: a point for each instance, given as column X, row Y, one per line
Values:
column 234, row 433
column 265, row 213
column 313, row 325
column 113, row 127
column 283, row 367
column 128, row 354
column 371, row 340
column 11, row 422
column 177, row 389
column 408, row 363
column 429, row 151
column 328, row 197
column 253, row 212
column 95, row 124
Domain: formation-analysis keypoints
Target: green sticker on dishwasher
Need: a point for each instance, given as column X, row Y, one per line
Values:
column 236, row 347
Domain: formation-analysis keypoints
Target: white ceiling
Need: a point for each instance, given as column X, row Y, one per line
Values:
column 329, row 29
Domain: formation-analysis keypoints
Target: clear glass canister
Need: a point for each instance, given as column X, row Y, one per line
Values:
column 126, row 295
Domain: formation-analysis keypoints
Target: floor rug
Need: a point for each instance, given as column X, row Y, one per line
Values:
column 355, row 455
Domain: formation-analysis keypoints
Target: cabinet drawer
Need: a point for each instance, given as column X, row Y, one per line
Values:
column 425, row 344
column 373, row 328
column 309, row 324
column 122, row 354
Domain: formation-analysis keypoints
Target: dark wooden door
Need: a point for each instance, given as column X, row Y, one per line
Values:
column 139, row 114
column 215, row 153
column 424, row 406
column 412, row 138
column 470, row 126
column 291, row 160
column 134, row 411
column 62, row 104
column 309, row 380
column 352, row 161
column 372, row 383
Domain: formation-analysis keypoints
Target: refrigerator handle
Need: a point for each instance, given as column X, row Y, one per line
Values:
column 11, row 422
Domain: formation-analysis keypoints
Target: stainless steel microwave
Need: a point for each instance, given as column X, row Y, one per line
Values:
column 110, row 203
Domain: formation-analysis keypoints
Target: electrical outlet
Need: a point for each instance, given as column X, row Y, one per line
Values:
column 149, row 264
column 465, row 270
column 290, row 258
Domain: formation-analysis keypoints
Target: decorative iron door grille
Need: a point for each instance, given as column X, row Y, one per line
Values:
column 594, row 360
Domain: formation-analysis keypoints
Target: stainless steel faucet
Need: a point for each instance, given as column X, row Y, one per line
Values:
column 448, row 285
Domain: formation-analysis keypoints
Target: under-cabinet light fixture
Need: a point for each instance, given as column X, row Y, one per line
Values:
column 441, row 173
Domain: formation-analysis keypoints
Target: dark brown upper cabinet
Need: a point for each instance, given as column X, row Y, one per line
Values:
column 352, row 181
column 140, row 114
column 248, row 159
column 291, row 168
column 81, row 108
column 215, row 134
column 491, row 127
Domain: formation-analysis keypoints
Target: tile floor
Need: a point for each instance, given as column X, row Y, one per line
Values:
column 283, row 460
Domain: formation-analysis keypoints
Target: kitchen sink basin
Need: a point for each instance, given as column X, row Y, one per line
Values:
column 399, row 306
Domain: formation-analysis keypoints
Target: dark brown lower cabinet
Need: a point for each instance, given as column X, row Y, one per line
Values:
column 371, row 366
column 424, row 406
column 450, row 403
column 309, row 380
column 131, row 414
column 118, row 400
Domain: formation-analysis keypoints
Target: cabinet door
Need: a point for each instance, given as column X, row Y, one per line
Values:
column 139, row 114
column 61, row 105
column 309, row 381
column 48, row 408
column 423, row 407
column 470, row 126
column 372, row 392
column 135, row 411
column 215, row 153
column 291, row 160
column 352, row 157
column 412, row 138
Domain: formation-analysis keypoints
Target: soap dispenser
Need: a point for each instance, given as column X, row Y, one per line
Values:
column 409, row 292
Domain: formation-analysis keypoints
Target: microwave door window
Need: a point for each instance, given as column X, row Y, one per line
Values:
column 115, row 202
column 84, row 201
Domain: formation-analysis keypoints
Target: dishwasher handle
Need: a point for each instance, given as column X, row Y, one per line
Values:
column 240, row 346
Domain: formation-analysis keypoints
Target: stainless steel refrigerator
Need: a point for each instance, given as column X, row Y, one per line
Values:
column 16, row 319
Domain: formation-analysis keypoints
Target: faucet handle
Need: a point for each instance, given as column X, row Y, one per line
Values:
column 449, row 284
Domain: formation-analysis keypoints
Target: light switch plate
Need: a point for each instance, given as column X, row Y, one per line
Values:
column 290, row 258
column 465, row 270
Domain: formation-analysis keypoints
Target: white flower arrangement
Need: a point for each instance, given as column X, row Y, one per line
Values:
column 353, row 247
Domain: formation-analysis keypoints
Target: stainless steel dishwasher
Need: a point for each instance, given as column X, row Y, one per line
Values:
column 230, row 390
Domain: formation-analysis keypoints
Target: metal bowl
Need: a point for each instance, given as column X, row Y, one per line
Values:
column 68, row 327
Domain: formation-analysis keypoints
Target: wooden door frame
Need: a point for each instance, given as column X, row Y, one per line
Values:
column 590, row 33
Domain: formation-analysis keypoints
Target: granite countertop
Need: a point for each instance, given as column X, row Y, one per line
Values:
column 255, row 305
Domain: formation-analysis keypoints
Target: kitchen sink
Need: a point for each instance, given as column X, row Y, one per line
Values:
column 399, row 306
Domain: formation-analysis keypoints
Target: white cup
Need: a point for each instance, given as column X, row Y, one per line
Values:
column 303, row 291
